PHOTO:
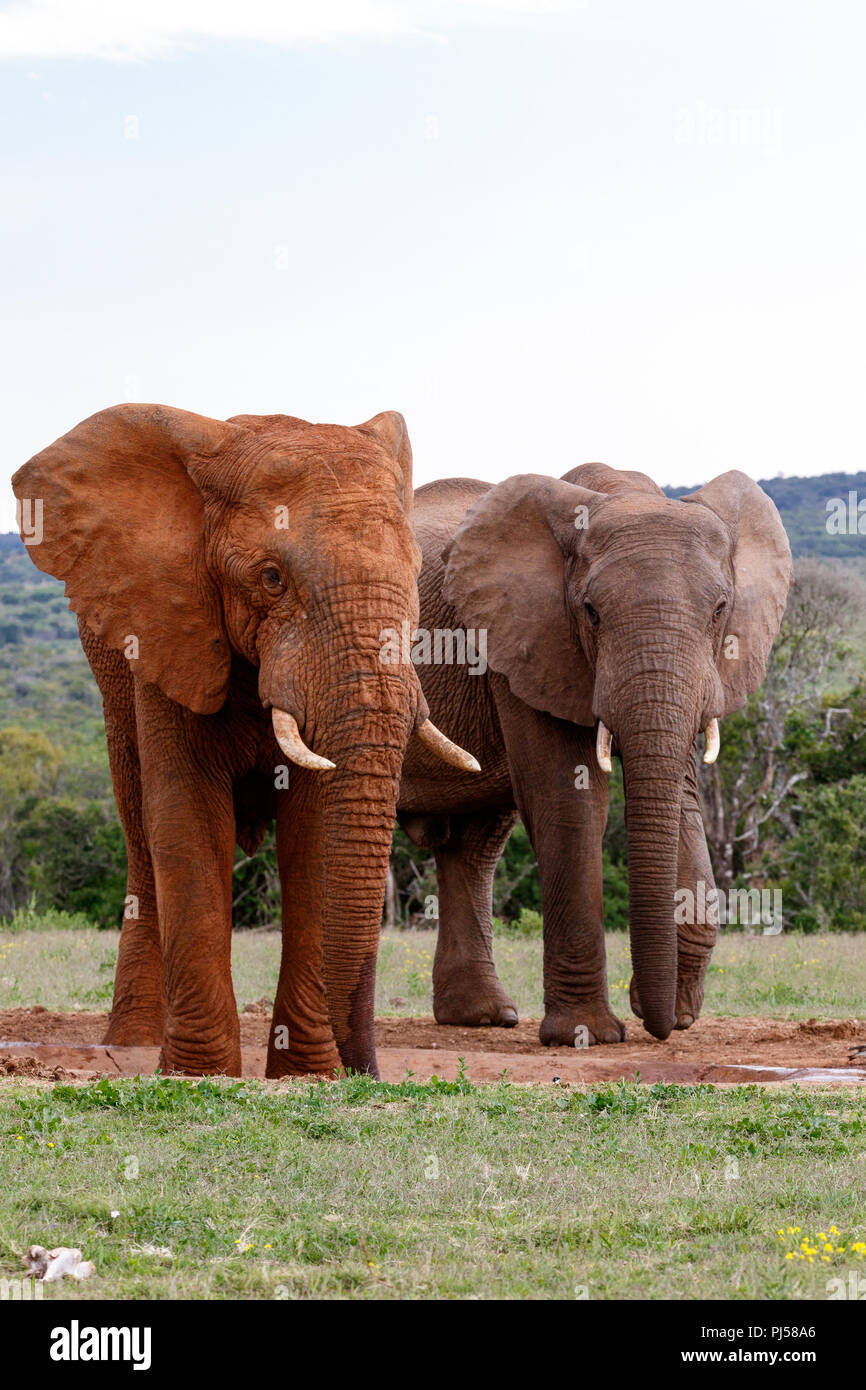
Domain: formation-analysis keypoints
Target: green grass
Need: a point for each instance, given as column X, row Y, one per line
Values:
column 790, row 976
column 357, row 1189
column 226, row 1189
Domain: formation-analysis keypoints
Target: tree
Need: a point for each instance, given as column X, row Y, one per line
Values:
column 256, row 886
column 29, row 767
column 74, row 858
column 824, row 862
column 749, row 790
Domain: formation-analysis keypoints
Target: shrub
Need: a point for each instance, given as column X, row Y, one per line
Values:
column 30, row 918
column 825, row 862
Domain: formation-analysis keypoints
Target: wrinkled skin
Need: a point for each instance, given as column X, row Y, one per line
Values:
column 255, row 562
column 625, row 617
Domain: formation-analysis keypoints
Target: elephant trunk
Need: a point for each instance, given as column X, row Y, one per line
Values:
column 653, row 792
column 359, row 818
column 344, row 710
column 656, row 719
column 360, row 716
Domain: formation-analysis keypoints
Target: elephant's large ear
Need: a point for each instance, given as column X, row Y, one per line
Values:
column 390, row 430
column 504, row 573
column 763, row 574
column 122, row 525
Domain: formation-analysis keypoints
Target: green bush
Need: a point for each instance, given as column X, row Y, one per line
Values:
column 515, row 885
column 75, row 858
column 528, row 923
column 256, row 886
column 31, row 918
column 825, row 862
column 615, row 880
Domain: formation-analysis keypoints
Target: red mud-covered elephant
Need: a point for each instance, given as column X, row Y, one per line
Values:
column 232, row 580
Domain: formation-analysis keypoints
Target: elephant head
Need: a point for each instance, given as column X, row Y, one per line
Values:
column 194, row 544
column 606, row 602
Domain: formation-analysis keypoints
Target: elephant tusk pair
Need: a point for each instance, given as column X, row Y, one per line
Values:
column 290, row 741
column 604, row 739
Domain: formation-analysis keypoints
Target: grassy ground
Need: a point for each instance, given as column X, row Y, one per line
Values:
column 356, row 1189
column 238, row 1190
column 789, row 976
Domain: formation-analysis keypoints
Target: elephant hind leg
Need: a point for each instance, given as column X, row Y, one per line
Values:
column 138, row 1010
column 465, row 987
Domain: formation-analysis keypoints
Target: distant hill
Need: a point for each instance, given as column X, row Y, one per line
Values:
column 45, row 680
column 32, row 606
column 802, row 504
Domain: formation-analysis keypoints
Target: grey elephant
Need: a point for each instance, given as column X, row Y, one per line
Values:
column 612, row 614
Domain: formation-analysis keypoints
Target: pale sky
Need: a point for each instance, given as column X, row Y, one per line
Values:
column 545, row 232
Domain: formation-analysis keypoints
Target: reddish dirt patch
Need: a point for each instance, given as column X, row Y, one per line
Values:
column 713, row 1050
column 41, row 1025
column 34, row 1070
column 736, row 1041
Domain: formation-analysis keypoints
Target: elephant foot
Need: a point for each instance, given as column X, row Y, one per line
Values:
column 581, row 1025
column 690, row 997
column 190, row 1060
column 134, row 1030
column 298, row 1046
column 473, row 1001
column 285, row 1065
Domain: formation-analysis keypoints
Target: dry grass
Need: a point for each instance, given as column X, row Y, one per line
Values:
column 789, row 976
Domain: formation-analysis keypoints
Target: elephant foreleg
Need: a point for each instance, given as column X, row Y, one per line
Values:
column 301, row 1040
column 465, row 987
column 562, row 798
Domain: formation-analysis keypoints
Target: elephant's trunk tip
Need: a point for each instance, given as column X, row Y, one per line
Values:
column 659, row 1025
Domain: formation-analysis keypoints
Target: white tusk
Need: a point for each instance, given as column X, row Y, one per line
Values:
column 714, row 741
column 449, row 752
column 289, row 739
column 603, row 740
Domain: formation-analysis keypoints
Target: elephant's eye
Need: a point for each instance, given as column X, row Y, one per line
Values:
column 720, row 608
column 273, row 580
column 591, row 614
